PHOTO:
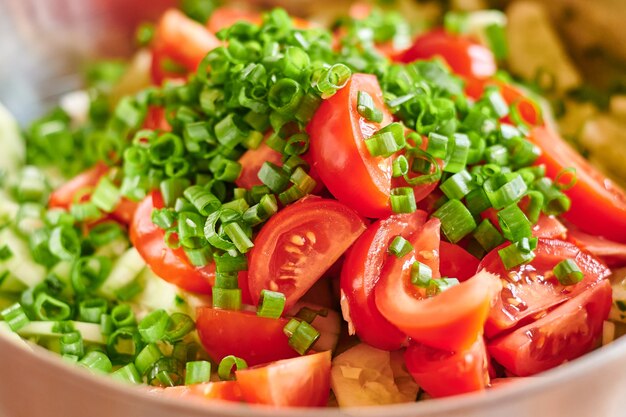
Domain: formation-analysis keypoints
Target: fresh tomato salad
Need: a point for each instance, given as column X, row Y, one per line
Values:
column 296, row 216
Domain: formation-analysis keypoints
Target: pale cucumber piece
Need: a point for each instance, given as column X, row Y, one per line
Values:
column 618, row 307
column 13, row 149
column 125, row 269
column 158, row 294
column 9, row 334
column 366, row 376
column 21, row 265
column 91, row 332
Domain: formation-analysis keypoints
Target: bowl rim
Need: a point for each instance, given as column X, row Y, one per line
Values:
column 602, row 356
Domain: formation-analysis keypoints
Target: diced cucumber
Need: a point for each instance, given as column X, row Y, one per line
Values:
column 13, row 148
column 363, row 376
column 158, row 294
column 125, row 270
column 20, row 265
column 91, row 332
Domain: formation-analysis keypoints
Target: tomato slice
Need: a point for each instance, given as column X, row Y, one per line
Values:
column 567, row 332
column 451, row 320
column 155, row 119
column 169, row 264
column 339, row 153
column 255, row 339
column 181, row 40
column 252, row 161
column 443, row 373
column 463, row 55
column 225, row 17
column 64, row 196
column 206, row 392
column 360, row 273
column 611, row 253
column 549, row 227
column 297, row 382
column 298, row 244
column 531, row 289
column 456, row 262
column 598, row 205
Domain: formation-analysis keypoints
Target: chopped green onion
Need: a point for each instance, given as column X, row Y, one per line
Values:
column 123, row 316
column 72, row 344
column 386, row 141
column 403, row 200
column 238, row 236
column 488, row 236
column 301, row 335
column 438, row 285
column 273, row 177
column 64, row 243
column 227, row 299
column 457, row 153
column 96, row 361
column 106, row 196
column 199, row 257
column 92, row 310
column 48, row 308
column 124, row 344
column 230, row 263
column 129, row 374
column 555, row 202
column 477, row 201
column 271, row 304
column 203, row 200
column 568, row 272
column 496, row 38
column 498, row 155
column 180, row 325
column 152, row 328
column 503, row 190
column 514, row 223
column 400, row 166
column 421, row 274
column 197, row 372
column 147, row 357
column 15, row 317
column 367, row 109
column 297, row 144
column 88, row 273
column 399, row 247
column 165, row 147
column 225, row 368
column 518, row 253
column 191, row 230
column 458, row 185
column 172, row 189
column 456, row 220
column 437, row 145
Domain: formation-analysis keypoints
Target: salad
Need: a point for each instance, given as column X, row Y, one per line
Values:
column 261, row 209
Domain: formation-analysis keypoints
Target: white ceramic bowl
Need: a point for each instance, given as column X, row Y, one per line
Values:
column 42, row 43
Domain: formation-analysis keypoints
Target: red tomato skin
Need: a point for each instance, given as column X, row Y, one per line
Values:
column 536, row 294
column 564, row 334
column 456, row 262
column 63, row 197
column 611, row 253
column 125, row 211
column 339, row 153
column 251, row 162
column 598, row 205
column 299, row 382
column 442, row 373
column 433, row 321
column 323, row 230
column 225, row 17
column 466, row 57
column 255, row 339
column 361, row 272
column 169, row 264
column 206, row 392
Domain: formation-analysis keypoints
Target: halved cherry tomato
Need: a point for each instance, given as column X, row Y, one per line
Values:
column 297, row 382
column 452, row 320
column 598, row 205
column 443, row 373
column 360, row 273
column 155, row 119
column 567, row 332
column 170, row 264
column 125, row 211
column 181, row 40
column 339, row 153
column 225, row 17
column 298, row 244
column 64, row 196
column 530, row 289
column 463, row 55
column 255, row 339
column 209, row 391
column 456, row 262
column 611, row 253
column 252, row 161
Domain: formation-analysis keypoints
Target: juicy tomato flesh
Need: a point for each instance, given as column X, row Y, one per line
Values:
column 299, row 382
column 181, row 40
column 456, row 262
column 298, row 244
column 225, row 17
column 361, row 272
column 466, row 57
column 611, row 253
column 206, row 392
column 255, row 339
column 252, row 161
column 531, row 288
column 339, row 154
column 598, row 205
column 443, row 373
column 451, row 320
column 169, row 264
column 567, row 332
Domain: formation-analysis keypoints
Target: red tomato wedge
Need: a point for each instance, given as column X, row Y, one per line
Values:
column 298, row 244
column 531, row 289
column 252, row 161
column 611, row 253
column 567, row 332
column 463, row 55
column 255, row 339
column 339, row 154
column 549, row 227
column 155, row 119
column 64, row 196
column 442, row 373
column 456, row 262
column 297, row 382
column 206, row 392
column 360, row 273
column 598, row 205
column 225, row 17
column 451, row 320
column 181, row 40
column 169, row 264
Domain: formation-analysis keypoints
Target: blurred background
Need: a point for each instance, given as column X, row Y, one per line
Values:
column 575, row 50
